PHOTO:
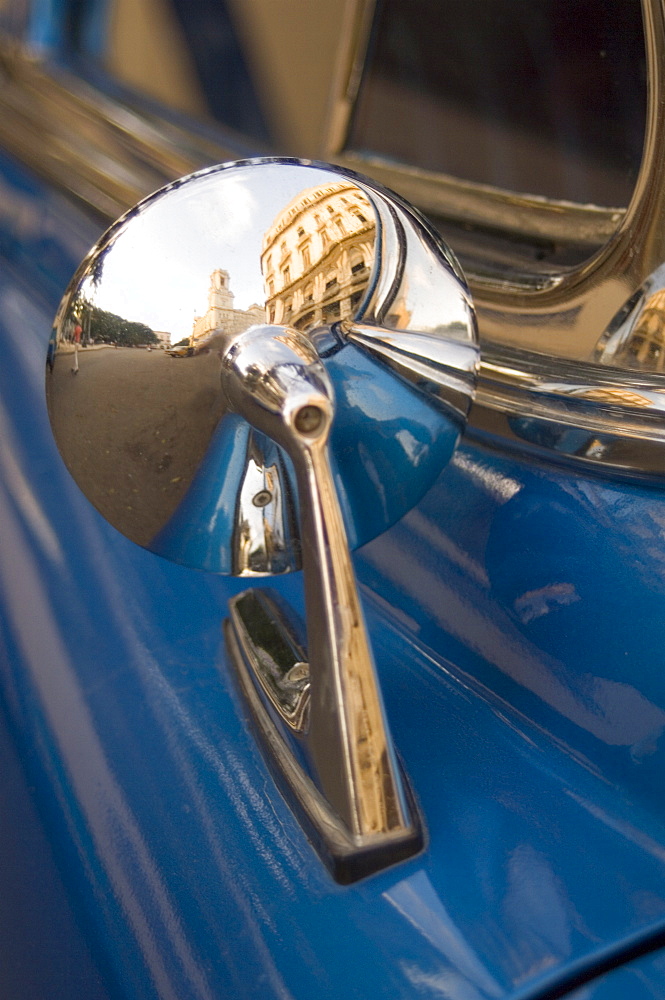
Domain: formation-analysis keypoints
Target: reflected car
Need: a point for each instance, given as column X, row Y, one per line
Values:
column 184, row 351
column 506, row 580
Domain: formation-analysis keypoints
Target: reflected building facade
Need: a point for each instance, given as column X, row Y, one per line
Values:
column 221, row 314
column 639, row 341
column 164, row 338
column 317, row 256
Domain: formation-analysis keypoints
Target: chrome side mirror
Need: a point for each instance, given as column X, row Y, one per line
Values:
column 258, row 368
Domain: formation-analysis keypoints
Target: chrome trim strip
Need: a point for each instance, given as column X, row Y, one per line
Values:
column 567, row 411
column 466, row 202
column 107, row 153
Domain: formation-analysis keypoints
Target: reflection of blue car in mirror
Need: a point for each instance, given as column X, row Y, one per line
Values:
column 439, row 757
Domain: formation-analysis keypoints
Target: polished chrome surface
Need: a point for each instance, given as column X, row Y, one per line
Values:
column 107, row 152
column 264, row 351
column 635, row 338
column 446, row 367
column 157, row 306
column 273, row 653
column 264, row 539
column 591, row 416
column 273, row 377
column 567, row 318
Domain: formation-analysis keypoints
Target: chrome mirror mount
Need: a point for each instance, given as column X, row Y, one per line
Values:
column 272, row 431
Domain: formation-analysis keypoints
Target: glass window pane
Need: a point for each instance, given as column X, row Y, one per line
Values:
column 546, row 97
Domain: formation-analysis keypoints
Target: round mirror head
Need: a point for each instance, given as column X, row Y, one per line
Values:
column 133, row 366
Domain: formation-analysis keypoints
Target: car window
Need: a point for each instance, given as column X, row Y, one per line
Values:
column 546, row 97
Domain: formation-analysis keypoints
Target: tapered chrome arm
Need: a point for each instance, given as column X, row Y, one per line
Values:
column 273, row 377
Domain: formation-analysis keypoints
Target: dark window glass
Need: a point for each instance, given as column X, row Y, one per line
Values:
column 546, row 97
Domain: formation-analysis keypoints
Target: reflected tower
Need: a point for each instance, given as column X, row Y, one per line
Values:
column 221, row 314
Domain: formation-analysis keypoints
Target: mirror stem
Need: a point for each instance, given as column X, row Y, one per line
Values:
column 357, row 785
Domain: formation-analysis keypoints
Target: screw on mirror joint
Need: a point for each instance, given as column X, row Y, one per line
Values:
column 262, row 498
column 309, row 419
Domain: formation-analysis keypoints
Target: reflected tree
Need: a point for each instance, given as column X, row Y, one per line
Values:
column 112, row 329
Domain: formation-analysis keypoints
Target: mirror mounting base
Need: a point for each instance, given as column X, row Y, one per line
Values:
column 273, row 678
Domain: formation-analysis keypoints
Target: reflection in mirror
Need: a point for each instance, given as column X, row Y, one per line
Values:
column 317, row 256
column 635, row 338
column 134, row 361
column 144, row 323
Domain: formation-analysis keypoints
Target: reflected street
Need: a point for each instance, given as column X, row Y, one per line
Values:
column 134, row 461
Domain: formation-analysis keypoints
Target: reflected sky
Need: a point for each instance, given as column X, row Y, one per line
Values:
column 417, row 900
column 158, row 270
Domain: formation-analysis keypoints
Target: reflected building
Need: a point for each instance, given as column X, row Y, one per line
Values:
column 638, row 341
column 221, row 314
column 164, row 337
column 317, row 256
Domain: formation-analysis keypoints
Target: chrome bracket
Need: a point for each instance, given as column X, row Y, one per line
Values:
column 318, row 710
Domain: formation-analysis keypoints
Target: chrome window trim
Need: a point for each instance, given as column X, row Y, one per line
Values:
column 515, row 310
column 527, row 216
column 552, row 384
column 446, row 196
column 110, row 153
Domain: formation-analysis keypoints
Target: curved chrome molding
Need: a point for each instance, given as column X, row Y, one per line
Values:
column 454, row 198
column 569, row 317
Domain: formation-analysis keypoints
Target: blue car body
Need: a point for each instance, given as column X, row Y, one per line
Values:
column 518, row 622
